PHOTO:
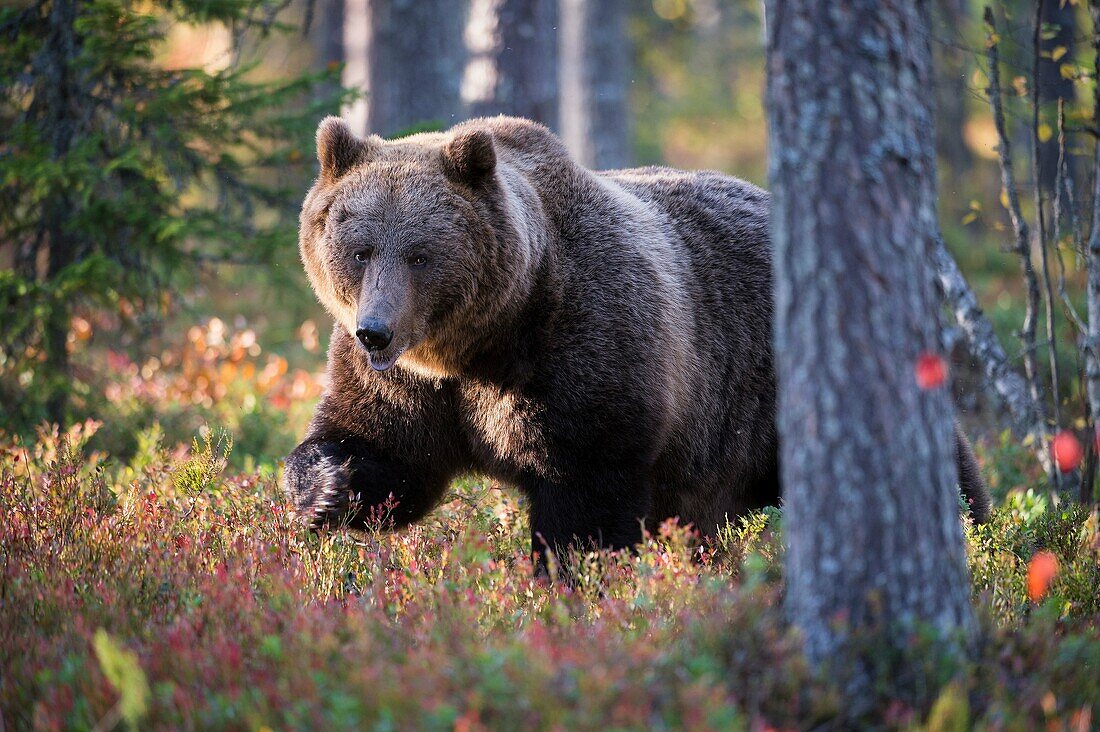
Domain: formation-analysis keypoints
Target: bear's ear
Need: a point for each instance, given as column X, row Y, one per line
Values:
column 470, row 157
column 339, row 149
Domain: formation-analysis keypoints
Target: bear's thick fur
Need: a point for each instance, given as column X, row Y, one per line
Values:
column 602, row 341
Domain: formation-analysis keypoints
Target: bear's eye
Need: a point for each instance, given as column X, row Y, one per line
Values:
column 418, row 260
column 363, row 255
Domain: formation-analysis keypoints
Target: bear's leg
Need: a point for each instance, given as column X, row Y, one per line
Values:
column 346, row 482
column 606, row 514
column 973, row 488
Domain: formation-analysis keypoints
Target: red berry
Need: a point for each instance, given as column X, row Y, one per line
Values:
column 1067, row 451
column 930, row 370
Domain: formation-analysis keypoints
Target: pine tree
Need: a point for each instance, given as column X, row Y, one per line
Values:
column 120, row 176
column 875, row 552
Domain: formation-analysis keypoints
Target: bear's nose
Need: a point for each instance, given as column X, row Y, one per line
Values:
column 374, row 334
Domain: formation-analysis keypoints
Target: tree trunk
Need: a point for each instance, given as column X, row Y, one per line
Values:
column 327, row 37
column 406, row 56
column 512, row 66
column 1058, row 18
column 595, row 68
column 952, row 87
column 356, row 42
column 875, row 547
column 1092, row 294
column 60, row 100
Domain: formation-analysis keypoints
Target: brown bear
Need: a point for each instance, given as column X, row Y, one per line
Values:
column 600, row 340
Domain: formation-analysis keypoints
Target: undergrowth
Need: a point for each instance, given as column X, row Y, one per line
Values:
column 165, row 593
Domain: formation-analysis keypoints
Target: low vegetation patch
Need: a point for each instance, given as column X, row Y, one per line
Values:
column 166, row 593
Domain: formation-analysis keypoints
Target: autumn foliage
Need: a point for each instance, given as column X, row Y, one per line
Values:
column 171, row 590
column 208, row 373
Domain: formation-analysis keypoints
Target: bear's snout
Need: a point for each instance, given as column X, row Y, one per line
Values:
column 374, row 334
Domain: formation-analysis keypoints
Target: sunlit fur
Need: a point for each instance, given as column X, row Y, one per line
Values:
column 602, row 341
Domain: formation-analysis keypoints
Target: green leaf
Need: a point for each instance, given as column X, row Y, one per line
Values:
column 951, row 712
column 122, row 669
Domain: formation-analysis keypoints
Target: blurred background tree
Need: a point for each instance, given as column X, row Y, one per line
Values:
column 413, row 77
column 513, row 60
column 595, row 73
column 127, row 170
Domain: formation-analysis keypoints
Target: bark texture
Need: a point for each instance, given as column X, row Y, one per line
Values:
column 595, row 70
column 414, row 64
column 512, row 66
column 871, row 518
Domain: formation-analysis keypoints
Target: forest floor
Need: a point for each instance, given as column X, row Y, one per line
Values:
column 171, row 591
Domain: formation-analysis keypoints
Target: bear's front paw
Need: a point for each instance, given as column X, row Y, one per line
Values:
column 317, row 479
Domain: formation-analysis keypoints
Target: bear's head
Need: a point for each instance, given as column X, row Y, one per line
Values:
column 415, row 245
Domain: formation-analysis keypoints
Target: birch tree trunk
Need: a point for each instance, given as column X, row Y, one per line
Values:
column 512, row 66
column 414, row 57
column 595, row 69
column 872, row 524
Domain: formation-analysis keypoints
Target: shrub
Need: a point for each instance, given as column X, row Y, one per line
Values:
column 236, row 616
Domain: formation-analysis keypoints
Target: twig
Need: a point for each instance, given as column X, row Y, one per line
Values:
column 1019, row 225
column 1062, row 181
column 111, row 719
column 1040, row 216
